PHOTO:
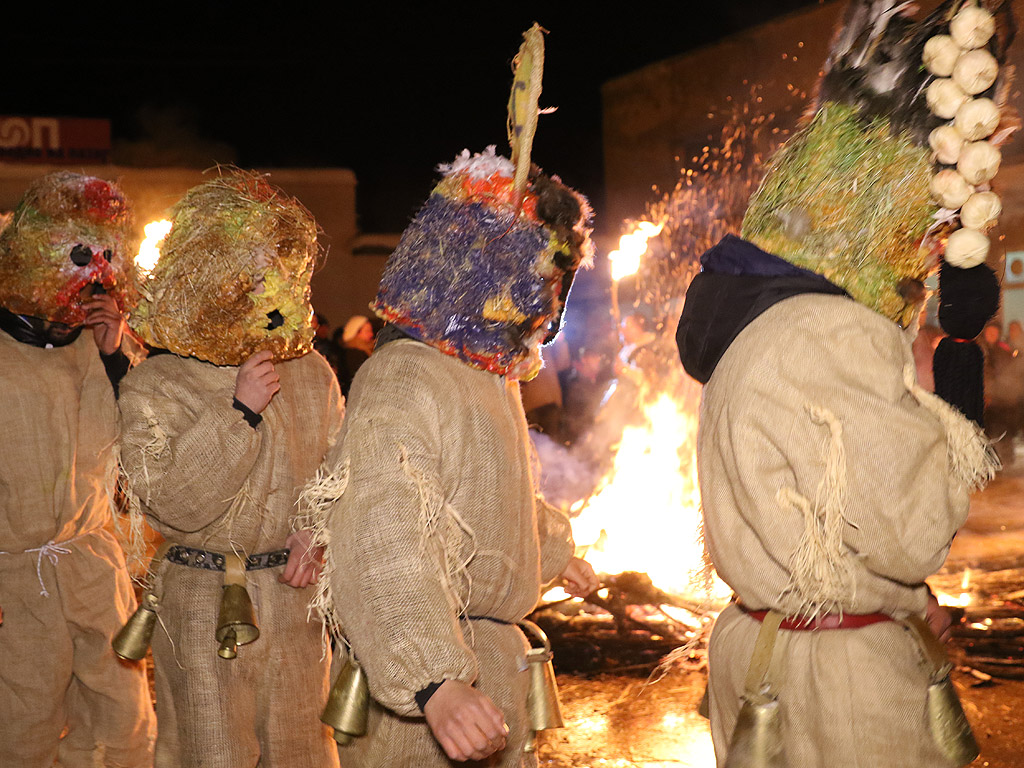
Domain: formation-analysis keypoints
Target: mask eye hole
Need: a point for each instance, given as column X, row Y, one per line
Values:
column 81, row 255
column 108, row 254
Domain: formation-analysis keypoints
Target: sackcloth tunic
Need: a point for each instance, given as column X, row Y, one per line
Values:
column 58, row 427
column 439, row 520
column 847, row 697
column 207, row 479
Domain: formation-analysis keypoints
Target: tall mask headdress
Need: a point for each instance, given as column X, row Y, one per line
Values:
column 233, row 274
column 68, row 232
column 484, row 269
column 895, row 164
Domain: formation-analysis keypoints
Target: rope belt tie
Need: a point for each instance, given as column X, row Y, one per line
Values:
column 51, row 550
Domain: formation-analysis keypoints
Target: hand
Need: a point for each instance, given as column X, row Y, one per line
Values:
column 579, row 578
column 938, row 619
column 465, row 722
column 257, row 382
column 305, row 561
column 103, row 316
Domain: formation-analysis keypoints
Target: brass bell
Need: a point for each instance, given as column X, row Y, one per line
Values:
column 132, row 642
column 236, row 622
column 542, row 705
column 948, row 724
column 757, row 739
column 348, row 705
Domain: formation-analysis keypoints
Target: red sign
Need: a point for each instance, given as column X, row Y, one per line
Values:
column 54, row 140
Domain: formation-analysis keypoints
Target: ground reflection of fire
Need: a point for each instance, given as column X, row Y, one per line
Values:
column 646, row 515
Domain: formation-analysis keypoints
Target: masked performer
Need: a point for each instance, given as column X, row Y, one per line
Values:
column 439, row 544
column 64, row 589
column 219, row 437
column 831, row 482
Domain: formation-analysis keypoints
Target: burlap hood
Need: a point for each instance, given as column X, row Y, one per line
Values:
column 68, row 231
column 482, row 276
column 203, row 299
column 738, row 281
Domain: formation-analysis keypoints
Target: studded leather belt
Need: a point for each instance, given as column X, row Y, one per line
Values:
column 191, row 557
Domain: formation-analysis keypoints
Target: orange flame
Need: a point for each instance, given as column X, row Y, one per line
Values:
column 646, row 517
column 625, row 259
column 149, row 251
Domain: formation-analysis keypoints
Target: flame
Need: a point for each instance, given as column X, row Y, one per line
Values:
column 646, row 517
column 149, row 251
column 965, row 597
column 625, row 259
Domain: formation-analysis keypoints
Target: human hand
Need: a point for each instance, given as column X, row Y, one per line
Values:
column 465, row 721
column 257, row 382
column 939, row 619
column 580, row 579
column 305, row 561
column 103, row 316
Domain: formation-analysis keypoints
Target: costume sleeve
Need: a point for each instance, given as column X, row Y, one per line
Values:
column 185, row 453
column 556, row 544
column 395, row 545
column 834, row 419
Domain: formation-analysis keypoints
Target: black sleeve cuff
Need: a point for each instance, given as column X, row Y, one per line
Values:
column 116, row 364
column 251, row 417
column 423, row 696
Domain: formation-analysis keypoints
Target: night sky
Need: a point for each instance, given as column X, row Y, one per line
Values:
column 386, row 92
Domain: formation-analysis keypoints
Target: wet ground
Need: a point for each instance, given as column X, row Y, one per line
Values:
column 624, row 722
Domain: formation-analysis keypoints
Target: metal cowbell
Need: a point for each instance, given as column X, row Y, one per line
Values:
column 542, row 704
column 948, row 724
column 132, row 642
column 348, row 705
column 757, row 739
column 236, row 621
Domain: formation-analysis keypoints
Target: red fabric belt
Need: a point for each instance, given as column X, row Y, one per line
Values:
column 828, row 621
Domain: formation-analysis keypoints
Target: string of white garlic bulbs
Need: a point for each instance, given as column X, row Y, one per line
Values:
column 964, row 69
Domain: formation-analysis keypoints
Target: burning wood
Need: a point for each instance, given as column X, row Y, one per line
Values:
column 628, row 620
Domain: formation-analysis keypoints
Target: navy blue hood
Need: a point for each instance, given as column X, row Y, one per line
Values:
column 737, row 282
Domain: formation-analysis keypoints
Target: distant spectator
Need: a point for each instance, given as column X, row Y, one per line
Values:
column 323, row 343
column 1015, row 336
column 585, row 386
column 1004, row 391
column 357, row 338
column 542, row 399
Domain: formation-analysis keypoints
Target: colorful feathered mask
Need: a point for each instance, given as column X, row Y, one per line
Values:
column 484, row 270
column 233, row 275
column 479, row 274
column 69, row 232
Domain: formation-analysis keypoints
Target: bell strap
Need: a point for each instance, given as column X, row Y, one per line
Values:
column 934, row 653
column 234, row 570
column 758, row 686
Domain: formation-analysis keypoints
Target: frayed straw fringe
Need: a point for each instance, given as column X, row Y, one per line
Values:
column 972, row 460
column 819, row 569
column 442, row 524
column 128, row 527
column 314, row 510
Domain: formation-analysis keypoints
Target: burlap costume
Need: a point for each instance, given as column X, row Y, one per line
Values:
column 810, row 425
column 57, row 670
column 438, row 522
column 208, row 479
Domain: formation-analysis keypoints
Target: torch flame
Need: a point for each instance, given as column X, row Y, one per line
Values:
column 149, row 251
column 625, row 259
